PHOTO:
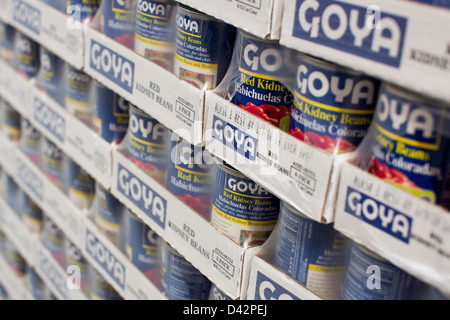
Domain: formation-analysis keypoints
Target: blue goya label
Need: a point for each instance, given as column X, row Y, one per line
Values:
column 333, row 107
column 27, row 56
column 78, row 90
column 52, row 161
column 79, row 182
column 30, row 140
column 16, row 261
column 180, row 279
column 117, row 21
column 340, row 25
column 101, row 289
column 111, row 114
column 27, row 15
column 313, row 253
column 410, row 147
column 11, row 120
column 51, row 73
column 147, row 146
column 121, row 72
column 31, row 211
column 189, row 174
column 109, row 214
column 154, row 31
column 261, row 71
column 85, row 8
column 142, row 246
column 203, row 48
column 365, row 270
column 241, row 208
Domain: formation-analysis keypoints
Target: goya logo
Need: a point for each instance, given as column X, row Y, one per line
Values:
column 78, row 76
column 267, row 289
column 189, row 25
column 147, row 129
column 25, row 46
column 147, row 200
column 30, row 179
column 245, row 186
column 113, row 66
column 27, row 16
column 106, row 259
column 152, row 8
column 343, row 26
column 52, row 274
column 405, row 121
column 47, row 63
column 378, row 215
column 261, row 58
column 234, row 138
column 49, row 119
column 337, row 88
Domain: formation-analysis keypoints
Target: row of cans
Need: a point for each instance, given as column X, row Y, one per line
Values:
column 334, row 267
column 88, row 100
column 235, row 204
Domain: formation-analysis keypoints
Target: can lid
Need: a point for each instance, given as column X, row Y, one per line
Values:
column 254, row 37
column 228, row 168
column 194, row 12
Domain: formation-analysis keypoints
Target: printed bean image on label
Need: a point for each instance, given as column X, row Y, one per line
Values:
column 258, row 79
column 118, row 21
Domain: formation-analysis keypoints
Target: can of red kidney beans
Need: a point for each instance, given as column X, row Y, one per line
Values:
column 241, row 208
column 118, row 21
column 313, row 253
column 80, row 185
column 78, row 94
column 7, row 36
column 143, row 248
column 333, row 105
column 409, row 144
column 368, row 276
column 147, row 143
column 30, row 140
column 26, row 55
column 154, row 34
column 180, row 279
column 52, row 162
column 258, row 80
column 10, row 120
column 50, row 75
column 204, row 47
column 111, row 114
column 189, row 174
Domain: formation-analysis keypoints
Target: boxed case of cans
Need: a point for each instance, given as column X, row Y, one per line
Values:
column 389, row 40
column 59, row 30
column 160, row 56
column 393, row 194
